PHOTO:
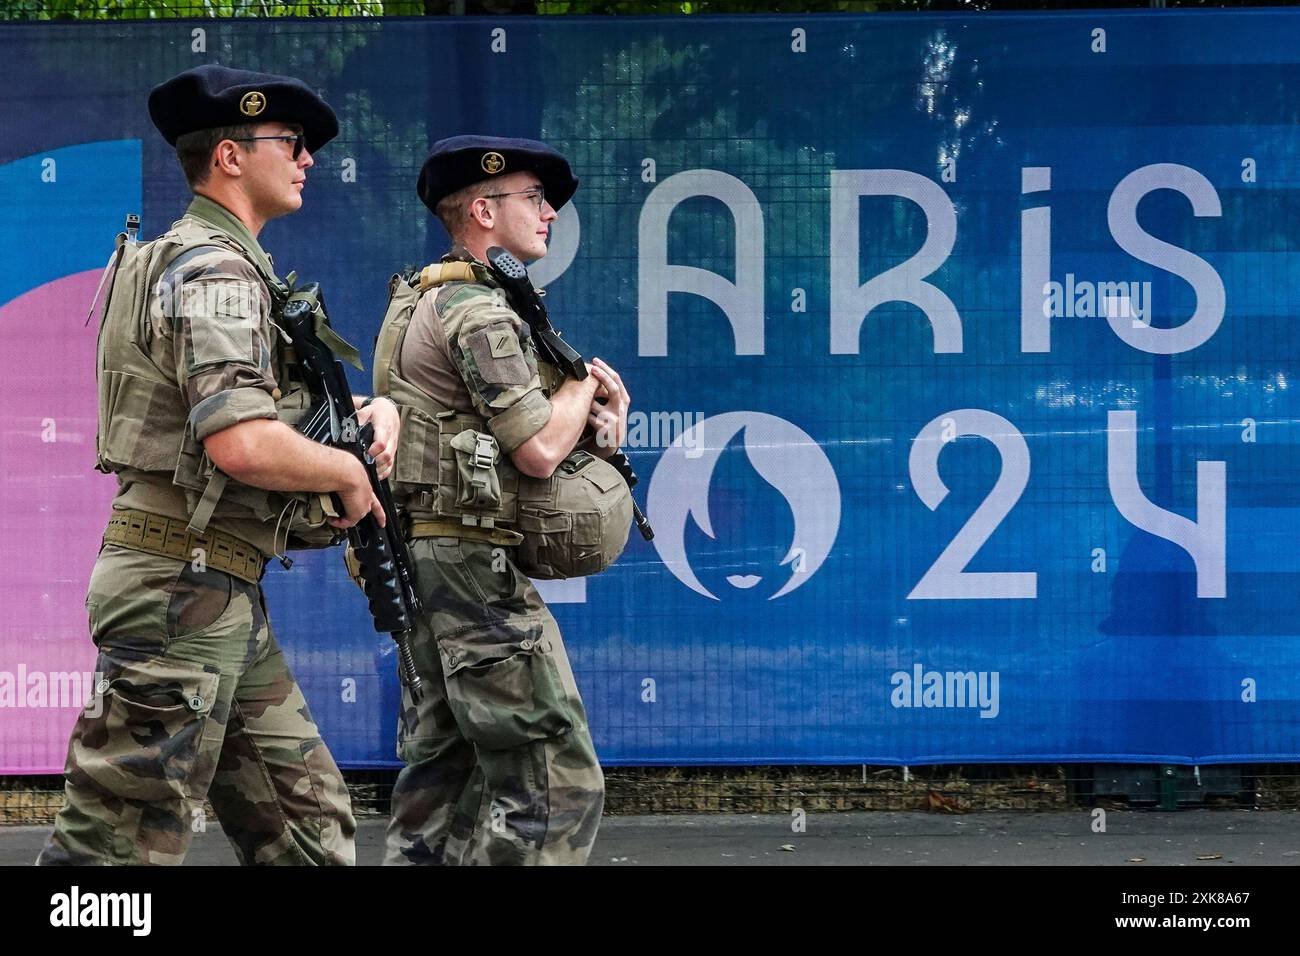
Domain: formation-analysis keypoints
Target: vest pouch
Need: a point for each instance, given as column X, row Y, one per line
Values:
column 574, row 523
column 446, row 497
column 301, row 518
column 416, row 467
column 194, row 469
column 293, row 407
column 478, row 487
column 310, row 527
column 141, row 419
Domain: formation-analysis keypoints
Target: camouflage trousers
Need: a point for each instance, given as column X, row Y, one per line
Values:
column 500, row 767
column 195, row 702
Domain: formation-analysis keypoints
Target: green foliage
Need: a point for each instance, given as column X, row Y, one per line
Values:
column 164, row 9
column 161, row 9
column 669, row 7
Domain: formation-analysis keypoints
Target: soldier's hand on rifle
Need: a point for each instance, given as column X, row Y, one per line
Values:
column 358, row 499
column 383, row 414
column 608, row 414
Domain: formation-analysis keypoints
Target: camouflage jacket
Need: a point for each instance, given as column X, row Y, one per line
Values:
column 210, row 325
column 469, row 351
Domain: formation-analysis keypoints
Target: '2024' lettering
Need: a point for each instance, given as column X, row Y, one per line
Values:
column 1204, row 538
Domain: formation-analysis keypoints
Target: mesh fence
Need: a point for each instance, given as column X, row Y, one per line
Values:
column 944, row 789
column 941, row 789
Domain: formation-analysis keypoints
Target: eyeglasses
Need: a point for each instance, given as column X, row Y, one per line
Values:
column 536, row 193
column 298, row 139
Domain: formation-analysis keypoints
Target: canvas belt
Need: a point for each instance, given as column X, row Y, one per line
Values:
column 170, row 538
column 434, row 528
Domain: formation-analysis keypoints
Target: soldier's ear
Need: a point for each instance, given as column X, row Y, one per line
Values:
column 480, row 211
column 227, row 158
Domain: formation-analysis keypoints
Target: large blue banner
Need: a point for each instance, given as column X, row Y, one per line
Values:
column 959, row 347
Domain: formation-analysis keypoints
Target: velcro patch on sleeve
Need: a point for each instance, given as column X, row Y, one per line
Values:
column 502, row 342
column 498, row 361
column 220, row 317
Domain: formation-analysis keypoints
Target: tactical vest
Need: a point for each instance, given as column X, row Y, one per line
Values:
column 449, row 469
column 143, row 415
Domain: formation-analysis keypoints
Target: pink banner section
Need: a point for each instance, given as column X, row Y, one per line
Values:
column 53, row 506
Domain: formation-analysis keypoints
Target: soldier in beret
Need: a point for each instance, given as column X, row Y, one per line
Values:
column 500, row 765
column 197, row 398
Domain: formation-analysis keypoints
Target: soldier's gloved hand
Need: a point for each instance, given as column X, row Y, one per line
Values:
column 383, row 414
column 358, row 500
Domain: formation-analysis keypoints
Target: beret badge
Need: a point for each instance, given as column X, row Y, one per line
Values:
column 493, row 163
column 252, row 103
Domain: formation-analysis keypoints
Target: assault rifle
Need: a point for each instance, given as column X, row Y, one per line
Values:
column 551, row 347
column 387, row 572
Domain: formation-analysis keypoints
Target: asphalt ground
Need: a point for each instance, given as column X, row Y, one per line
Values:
column 1134, row 839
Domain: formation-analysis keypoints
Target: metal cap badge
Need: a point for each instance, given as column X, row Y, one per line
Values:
column 252, row 103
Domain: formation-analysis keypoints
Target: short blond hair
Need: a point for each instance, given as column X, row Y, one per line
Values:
column 453, row 209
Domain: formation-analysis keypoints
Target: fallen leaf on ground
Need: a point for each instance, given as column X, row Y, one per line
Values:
column 943, row 804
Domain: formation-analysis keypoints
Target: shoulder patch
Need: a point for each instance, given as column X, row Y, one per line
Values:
column 502, row 342
column 496, row 356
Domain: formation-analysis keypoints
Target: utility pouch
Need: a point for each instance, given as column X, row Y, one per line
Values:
column 478, row 484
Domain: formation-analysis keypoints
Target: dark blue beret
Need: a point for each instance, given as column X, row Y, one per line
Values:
column 461, row 161
column 209, row 96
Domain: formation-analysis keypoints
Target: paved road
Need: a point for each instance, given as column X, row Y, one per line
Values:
column 1131, row 839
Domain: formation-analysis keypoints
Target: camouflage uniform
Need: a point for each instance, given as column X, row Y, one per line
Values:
column 197, row 699
column 500, row 765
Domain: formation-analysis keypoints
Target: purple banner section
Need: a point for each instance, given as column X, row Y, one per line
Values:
column 64, row 203
column 53, row 506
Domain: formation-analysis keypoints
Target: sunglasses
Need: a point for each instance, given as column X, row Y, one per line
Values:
column 298, row 139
